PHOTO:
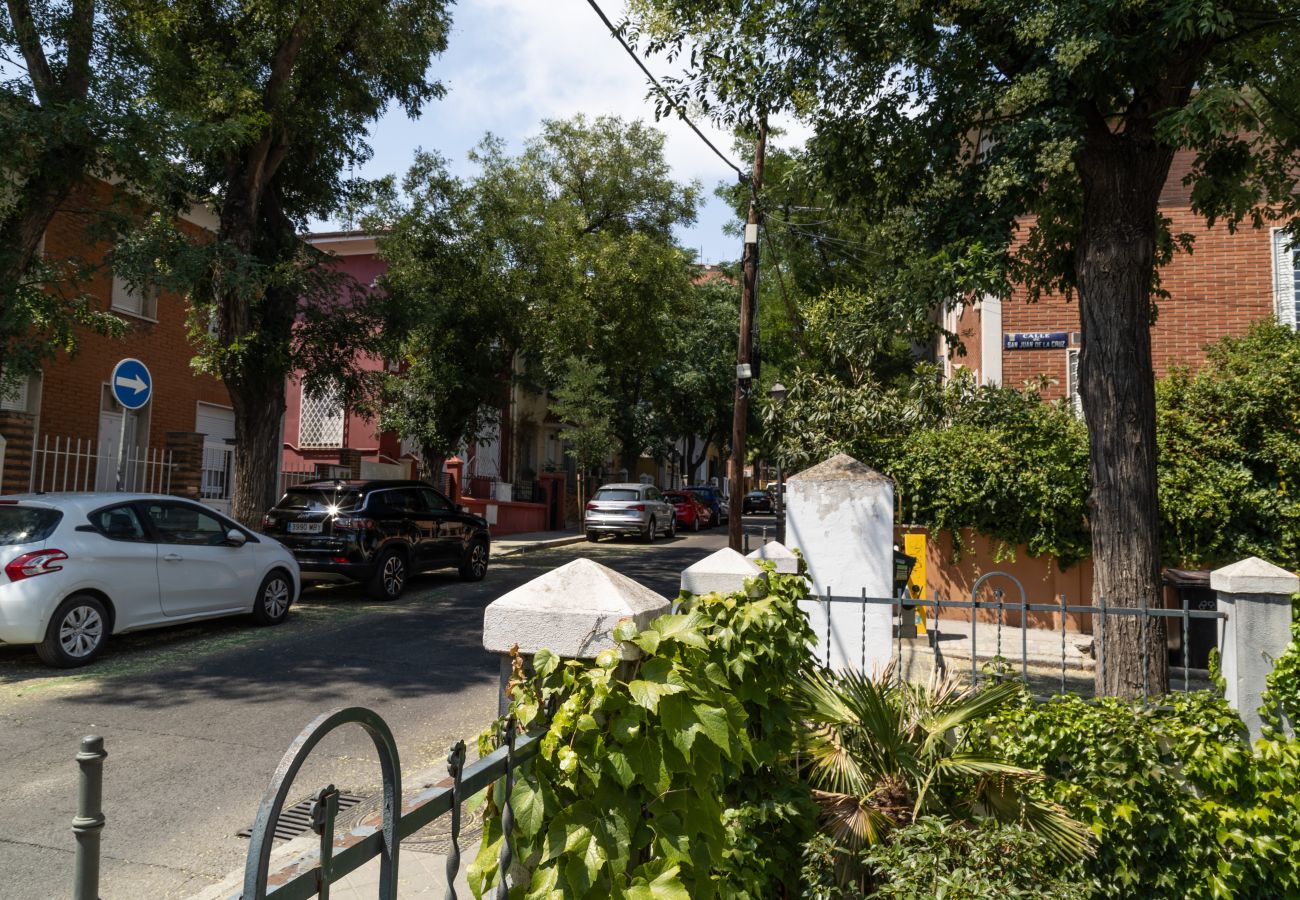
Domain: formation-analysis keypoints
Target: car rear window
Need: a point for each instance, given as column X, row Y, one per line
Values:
column 617, row 494
column 26, row 524
column 677, row 498
column 298, row 500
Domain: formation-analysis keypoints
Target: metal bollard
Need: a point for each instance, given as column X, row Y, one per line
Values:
column 89, row 821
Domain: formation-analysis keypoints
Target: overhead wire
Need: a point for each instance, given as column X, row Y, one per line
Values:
column 663, row 92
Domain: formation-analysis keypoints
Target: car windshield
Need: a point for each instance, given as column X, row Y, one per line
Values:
column 26, row 524
column 677, row 498
column 318, row 500
column 617, row 494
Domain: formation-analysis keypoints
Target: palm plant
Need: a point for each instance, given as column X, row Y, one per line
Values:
column 882, row 752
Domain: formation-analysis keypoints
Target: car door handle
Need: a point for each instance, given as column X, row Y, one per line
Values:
column 173, row 557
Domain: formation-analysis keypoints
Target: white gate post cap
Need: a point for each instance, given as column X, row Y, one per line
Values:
column 720, row 573
column 840, row 467
column 1254, row 576
column 571, row 611
column 779, row 555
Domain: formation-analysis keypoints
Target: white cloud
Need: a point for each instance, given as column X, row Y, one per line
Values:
column 512, row 63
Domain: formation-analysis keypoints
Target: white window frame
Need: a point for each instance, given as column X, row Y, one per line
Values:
column 329, row 433
column 1286, row 278
column 1072, row 381
column 15, row 399
column 137, row 302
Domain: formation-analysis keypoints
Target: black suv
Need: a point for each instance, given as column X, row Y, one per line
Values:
column 377, row 532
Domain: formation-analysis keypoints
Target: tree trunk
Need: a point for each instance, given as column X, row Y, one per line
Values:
column 1122, row 175
column 259, row 405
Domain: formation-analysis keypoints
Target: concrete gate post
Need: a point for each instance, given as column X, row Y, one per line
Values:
column 723, row 573
column 571, row 611
column 840, row 513
column 1256, row 595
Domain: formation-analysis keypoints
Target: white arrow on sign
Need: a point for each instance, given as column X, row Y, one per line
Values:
column 135, row 383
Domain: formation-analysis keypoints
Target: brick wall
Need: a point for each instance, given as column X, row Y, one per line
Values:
column 70, row 397
column 18, row 429
column 1219, row 289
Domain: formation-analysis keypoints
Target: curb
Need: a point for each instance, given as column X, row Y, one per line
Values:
column 541, row 545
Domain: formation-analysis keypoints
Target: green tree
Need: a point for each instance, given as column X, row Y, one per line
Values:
column 1230, row 452
column 270, row 105
column 587, row 214
column 583, row 403
column 1063, row 116
column 698, row 374
column 447, row 279
column 70, row 114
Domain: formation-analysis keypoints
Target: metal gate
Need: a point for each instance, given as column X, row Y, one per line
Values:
column 217, row 484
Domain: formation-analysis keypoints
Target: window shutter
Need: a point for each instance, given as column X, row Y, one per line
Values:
column 1286, row 277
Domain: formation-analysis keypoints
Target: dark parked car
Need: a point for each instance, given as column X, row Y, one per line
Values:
column 712, row 499
column 757, row 502
column 378, row 533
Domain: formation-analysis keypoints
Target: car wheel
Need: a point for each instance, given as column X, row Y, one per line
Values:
column 389, row 579
column 672, row 528
column 695, row 526
column 475, row 564
column 273, row 598
column 592, row 536
column 650, row 532
column 76, row 633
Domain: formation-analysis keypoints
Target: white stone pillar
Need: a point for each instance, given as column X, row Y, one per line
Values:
column 571, row 611
column 1256, row 595
column 780, row 556
column 723, row 572
column 840, row 514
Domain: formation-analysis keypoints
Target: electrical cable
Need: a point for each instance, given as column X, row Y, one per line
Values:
column 676, row 107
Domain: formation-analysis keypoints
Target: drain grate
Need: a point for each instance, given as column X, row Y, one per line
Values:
column 296, row 819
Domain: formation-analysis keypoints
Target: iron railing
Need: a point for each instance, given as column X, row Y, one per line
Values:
column 904, row 605
column 335, row 859
column 64, row 464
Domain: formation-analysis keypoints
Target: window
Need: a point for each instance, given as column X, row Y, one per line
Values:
column 617, row 494
column 119, row 523
column 26, row 524
column 16, row 397
column 135, row 300
column 320, row 422
column 180, row 523
column 1072, row 381
column 435, row 501
column 1286, row 278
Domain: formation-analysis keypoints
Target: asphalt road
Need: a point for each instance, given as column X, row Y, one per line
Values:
column 195, row 718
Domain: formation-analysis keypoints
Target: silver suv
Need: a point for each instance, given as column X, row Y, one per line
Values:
column 637, row 509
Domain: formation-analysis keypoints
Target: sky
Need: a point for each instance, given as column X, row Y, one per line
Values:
column 512, row 63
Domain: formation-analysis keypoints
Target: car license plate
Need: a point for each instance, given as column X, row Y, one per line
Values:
column 304, row 527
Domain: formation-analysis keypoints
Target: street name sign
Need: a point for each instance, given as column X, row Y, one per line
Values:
column 1036, row 340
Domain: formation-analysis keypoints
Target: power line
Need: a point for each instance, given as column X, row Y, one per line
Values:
column 673, row 104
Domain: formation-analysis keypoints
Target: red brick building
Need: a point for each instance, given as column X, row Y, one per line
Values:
column 1229, row 281
column 70, row 400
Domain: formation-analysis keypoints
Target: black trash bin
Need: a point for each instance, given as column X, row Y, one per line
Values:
column 1192, row 586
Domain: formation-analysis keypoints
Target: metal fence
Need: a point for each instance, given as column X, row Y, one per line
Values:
column 902, row 608
column 61, row 465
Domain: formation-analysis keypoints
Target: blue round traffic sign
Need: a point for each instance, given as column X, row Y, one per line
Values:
column 131, row 383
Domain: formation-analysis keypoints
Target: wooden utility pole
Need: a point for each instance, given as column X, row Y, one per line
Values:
column 744, row 347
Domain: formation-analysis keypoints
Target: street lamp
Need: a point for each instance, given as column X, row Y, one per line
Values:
column 777, row 395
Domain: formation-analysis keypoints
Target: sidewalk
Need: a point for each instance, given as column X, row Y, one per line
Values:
column 513, row 544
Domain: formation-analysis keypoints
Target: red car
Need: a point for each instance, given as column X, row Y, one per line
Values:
column 691, row 513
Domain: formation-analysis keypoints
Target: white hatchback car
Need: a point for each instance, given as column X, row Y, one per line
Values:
column 79, row 567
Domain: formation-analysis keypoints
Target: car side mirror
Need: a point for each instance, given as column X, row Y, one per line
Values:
column 235, row 538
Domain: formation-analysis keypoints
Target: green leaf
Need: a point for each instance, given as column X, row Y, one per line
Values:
column 529, row 807
column 667, row 886
column 545, row 662
column 647, row 694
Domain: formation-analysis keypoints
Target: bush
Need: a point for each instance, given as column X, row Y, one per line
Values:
column 1180, row 805
column 669, row 780
column 935, row 857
